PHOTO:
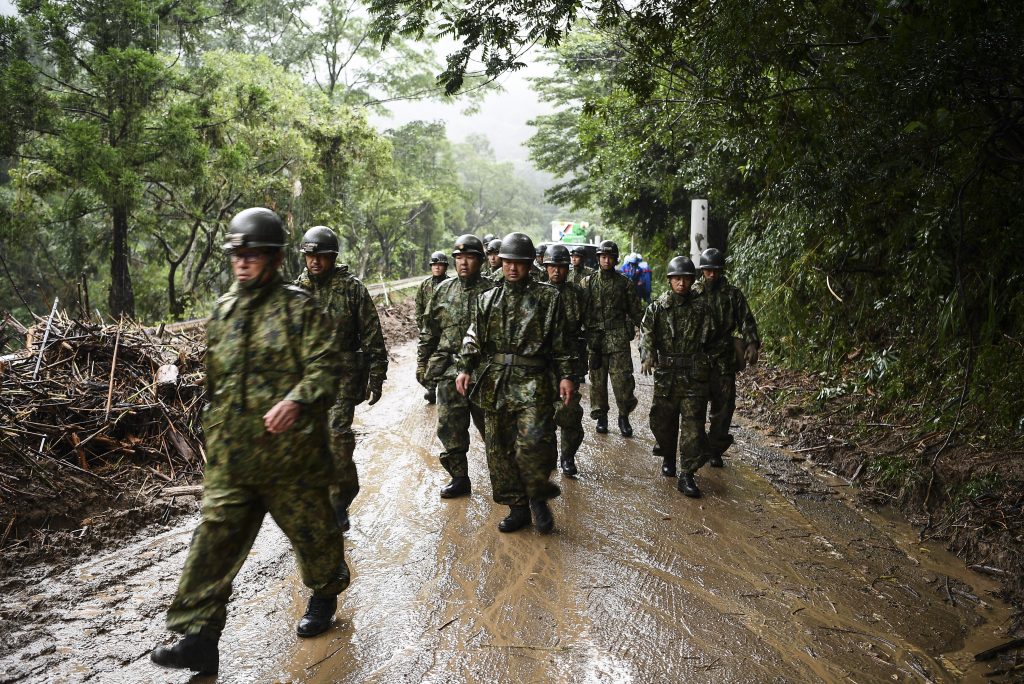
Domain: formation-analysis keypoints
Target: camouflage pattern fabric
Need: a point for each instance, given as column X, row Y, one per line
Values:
column 539, row 273
column 232, row 517
column 356, row 324
column 449, row 313
column 569, row 418
column 423, row 294
column 495, row 274
column 577, row 275
column 676, row 331
column 264, row 345
column 732, row 318
column 525, row 322
column 612, row 311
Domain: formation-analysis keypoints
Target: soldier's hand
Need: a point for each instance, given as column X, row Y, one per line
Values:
column 282, row 416
column 421, row 375
column 750, row 354
column 462, row 383
column 373, row 395
column 647, row 366
column 566, row 388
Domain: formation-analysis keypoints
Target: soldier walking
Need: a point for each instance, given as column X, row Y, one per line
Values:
column 493, row 260
column 438, row 274
column 569, row 416
column 676, row 329
column 613, row 310
column 579, row 270
column 735, row 344
column 448, row 315
column 271, row 373
column 519, row 349
column 361, row 350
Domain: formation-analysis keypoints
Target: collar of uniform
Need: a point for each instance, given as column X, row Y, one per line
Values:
column 250, row 296
column 609, row 274
column 519, row 285
column 438, row 279
column 323, row 278
column 470, row 280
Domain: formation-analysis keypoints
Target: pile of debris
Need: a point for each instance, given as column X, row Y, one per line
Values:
column 95, row 420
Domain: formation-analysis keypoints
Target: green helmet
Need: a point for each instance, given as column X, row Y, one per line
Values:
column 556, row 255
column 319, row 240
column 681, row 266
column 610, row 248
column 468, row 244
column 577, row 250
column 493, row 246
column 517, row 247
column 539, row 251
column 489, row 237
column 712, row 259
column 255, row 227
column 438, row 258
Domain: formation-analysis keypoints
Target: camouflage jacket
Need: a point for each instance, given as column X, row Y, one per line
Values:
column 576, row 275
column 539, row 273
column 731, row 317
column 518, row 346
column 612, row 310
column 572, row 305
column 450, row 312
column 423, row 293
column 497, row 275
column 676, row 331
column 344, row 299
column 266, row 345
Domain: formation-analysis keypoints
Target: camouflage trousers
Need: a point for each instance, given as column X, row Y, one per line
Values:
column 569, row 419
column 231, row 519
column 344, row 485
column 723, row 404
column 521, row 454
column 454, row 413
column 678, row 422
column 619, row 367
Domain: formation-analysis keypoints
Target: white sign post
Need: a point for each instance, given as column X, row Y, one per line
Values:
column 698, row 228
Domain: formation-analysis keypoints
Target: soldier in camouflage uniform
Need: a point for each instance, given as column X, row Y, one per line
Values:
column 271, row 374
column 676, row 329
column 519, row 348
column 493, row 260
column 438, row 274
column 613, row 310
column 537, row 270
column 579, row 270
column 569, row 417
column 734, row 325
column 449, row 314
column 362, row 353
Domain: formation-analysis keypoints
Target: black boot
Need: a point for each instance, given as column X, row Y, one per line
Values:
column 194, row 652
column 624, row 427
column 688, row 486
column 430, row 395
column 542, row 518
column 518, row 517
column 341, row 515
column 568, row 466
column 602, row 425
column 459, row 486
column 716, row 461
column 668, row 466
column 319, row 612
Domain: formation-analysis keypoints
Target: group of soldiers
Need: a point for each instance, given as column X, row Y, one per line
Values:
column 505, row 349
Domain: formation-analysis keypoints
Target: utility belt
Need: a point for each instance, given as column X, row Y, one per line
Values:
column 687, row 362
column 518, row 360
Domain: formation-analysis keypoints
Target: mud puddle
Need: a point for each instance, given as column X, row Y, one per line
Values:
column 772, row 577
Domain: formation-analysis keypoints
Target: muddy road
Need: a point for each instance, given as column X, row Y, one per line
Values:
column 772, row 577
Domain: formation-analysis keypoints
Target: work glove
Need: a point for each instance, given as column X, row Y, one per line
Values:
column 750, row 353
column 373, row 392
column 647, row 366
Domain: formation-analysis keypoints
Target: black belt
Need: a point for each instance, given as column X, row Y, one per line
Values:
column 681, row 360
column 517, row 360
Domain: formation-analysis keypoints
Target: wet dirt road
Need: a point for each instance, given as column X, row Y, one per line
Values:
column 772, row 577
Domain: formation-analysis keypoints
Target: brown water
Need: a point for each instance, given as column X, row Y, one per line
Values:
column 772, row 577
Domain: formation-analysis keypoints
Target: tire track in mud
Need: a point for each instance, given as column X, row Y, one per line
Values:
column 771, row 577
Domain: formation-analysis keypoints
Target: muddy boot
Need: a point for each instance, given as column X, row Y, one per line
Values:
column 668, row 466
column 341, row 515
column 688, row 486
column 568, row 466
column 430, row 395
column 542, row 518
column 518, row 517
column 459, row 486
column 716, row 461
column 319, row 612
column 194, row 652
column 624, row 427
column 602, row 425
